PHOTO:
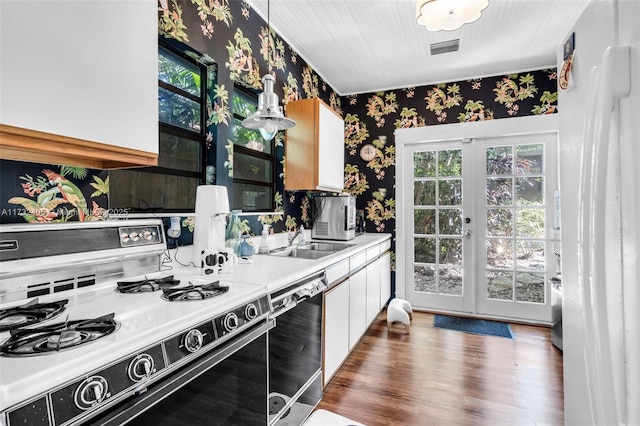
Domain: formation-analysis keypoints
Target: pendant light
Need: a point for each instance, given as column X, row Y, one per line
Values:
column 268, row 118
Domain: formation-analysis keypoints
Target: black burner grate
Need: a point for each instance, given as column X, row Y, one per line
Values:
column 58, row 337
column 194, row 292
column 30, row 313
column 146, row 285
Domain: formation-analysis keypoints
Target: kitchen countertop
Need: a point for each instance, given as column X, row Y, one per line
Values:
column 279, row 271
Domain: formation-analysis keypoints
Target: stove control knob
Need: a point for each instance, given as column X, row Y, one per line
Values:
column 141, row 367
column 230, row 321
column 91, row 391
column 250, row 311
column 134, row 236
column 193, row 340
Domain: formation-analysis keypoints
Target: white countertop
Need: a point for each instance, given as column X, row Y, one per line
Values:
column 277, row 271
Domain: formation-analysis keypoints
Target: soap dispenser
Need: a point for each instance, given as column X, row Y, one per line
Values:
column 264, row 242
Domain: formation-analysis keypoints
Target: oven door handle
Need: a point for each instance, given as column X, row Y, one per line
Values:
column 289, row 300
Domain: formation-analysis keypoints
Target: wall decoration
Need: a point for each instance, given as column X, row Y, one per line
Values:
column 508, row 92
column 438, row 101
column 53, row 194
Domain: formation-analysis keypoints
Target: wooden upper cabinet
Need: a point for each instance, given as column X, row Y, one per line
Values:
column 79, row 82
column 314, row 147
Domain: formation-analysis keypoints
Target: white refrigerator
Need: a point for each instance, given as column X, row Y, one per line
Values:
column 599, row 144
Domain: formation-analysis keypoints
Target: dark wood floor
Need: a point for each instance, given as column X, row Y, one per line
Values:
column 443, row 377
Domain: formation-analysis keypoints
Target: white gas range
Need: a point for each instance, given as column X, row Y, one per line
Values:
column 97, row 346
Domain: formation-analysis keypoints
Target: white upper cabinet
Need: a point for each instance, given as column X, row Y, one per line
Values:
column 314, row 147
column 79, row 82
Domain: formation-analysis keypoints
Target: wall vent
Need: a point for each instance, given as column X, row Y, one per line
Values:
column 444, row 47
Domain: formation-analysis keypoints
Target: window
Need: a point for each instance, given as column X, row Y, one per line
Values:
column 253, row 159
column 170, row 186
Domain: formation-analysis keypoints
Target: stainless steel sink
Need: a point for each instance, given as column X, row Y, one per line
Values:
column 322, row 246
column 313, row 250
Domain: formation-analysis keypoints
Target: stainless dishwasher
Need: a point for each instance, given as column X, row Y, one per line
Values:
column 295, row 350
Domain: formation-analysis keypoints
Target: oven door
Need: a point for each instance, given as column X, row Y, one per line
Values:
column 295, row 362
column 227, row 386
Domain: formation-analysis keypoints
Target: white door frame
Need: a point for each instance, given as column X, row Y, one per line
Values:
column 447, row 132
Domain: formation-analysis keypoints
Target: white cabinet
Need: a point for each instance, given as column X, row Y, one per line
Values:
column 357, row 307
column 79, row 82
column 373, row 290
column 336, row 329
column 314, row 148
column 353, row 304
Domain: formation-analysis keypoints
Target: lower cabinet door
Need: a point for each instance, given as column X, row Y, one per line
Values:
column 357, row 307
column 336, row 329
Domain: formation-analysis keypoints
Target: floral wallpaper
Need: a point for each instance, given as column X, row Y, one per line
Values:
column 237, row 39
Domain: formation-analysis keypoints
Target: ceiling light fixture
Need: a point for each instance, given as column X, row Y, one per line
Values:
column 448, row 15
column 268, row 118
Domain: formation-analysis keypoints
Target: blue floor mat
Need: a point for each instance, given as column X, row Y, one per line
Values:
column 474, row 326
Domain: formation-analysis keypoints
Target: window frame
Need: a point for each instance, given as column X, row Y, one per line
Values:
column 239, row 149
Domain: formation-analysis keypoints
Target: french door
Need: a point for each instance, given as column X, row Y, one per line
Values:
column 479, row 235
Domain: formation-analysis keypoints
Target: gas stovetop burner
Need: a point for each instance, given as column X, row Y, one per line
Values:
column 30, row 313
column 194, row 292
column 58, row 337
column 146, row 285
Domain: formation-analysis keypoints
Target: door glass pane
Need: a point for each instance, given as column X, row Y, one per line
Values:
column 425, row 250
column 530, row 223
column 529, row 158
column 499, row 222
column 450, row 281
column 500, row 285
column 500, row 160
column 450, row 221
column 500, row 253
column 529, row 287
column 450, row 192
column 531, row 255
column 424, row 193
column 424, row 278
column 424, row 221
column 450, row 251
column 424, row 164
column 499, row 191
column 529, row 191
column 450, row 162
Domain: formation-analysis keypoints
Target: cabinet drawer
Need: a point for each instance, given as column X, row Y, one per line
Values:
column 373, row 252
column 337, row 271
column 357, row 260
column 385, row 246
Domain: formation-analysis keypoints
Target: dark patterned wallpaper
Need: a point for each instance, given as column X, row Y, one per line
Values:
column 237, row 39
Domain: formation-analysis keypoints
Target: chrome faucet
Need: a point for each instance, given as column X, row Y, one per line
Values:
column 299, row 231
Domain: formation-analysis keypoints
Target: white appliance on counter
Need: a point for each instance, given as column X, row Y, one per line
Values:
column 599, row 134
column 212, row 208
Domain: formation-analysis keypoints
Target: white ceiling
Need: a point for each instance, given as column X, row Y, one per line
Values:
column 361, row 46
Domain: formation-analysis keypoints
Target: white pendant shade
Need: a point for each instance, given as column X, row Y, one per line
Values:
column 268, row 118
column 448, row 15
